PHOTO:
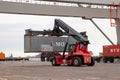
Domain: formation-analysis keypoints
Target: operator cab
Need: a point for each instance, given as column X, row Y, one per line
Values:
column 71, row 48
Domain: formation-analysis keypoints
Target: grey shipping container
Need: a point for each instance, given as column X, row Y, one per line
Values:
column 46, row 43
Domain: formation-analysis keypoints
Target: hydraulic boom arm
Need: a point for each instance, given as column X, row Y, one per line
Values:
column 79, row 37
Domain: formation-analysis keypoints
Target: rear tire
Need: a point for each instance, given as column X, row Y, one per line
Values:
column 112, row 60
column 105, row 59
column 77, row 61
column 92, row 62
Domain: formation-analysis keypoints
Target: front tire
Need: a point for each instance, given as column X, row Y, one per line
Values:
column 77, row 61
column 54, row 62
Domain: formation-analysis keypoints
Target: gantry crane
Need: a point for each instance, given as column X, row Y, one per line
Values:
column 88, row 9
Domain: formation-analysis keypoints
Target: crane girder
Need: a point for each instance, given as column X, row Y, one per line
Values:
column 97, row 2
column 52, row 10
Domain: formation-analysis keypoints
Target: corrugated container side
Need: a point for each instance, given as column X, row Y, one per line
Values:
column 111, row 50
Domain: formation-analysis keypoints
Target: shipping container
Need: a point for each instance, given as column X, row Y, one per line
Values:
column 46, row 44
column 2, row 56
column 111, row 50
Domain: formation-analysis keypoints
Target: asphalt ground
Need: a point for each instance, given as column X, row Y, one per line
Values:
column 36, row 70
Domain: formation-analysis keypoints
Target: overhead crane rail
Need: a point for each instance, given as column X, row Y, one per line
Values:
column 94, row 2
column 64, row 3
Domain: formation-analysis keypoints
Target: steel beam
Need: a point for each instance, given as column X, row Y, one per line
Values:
column 118, row 32
column 52, row 10
column 102, row 32
column 98, row 2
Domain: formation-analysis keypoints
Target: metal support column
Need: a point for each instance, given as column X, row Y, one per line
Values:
column 102, row 32
column 118, row 32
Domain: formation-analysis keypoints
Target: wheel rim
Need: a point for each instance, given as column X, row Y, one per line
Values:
column 76, row 62
column 53, row 61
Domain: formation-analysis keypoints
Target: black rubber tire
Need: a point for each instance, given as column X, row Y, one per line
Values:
column 112, row 60
column 92, row 62
column 77, row 61
column 105, row 60
column 54, row 62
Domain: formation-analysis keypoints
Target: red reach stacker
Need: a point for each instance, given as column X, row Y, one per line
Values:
column 77, row 54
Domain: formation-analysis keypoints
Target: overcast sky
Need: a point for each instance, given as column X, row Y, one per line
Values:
column 12, row 29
